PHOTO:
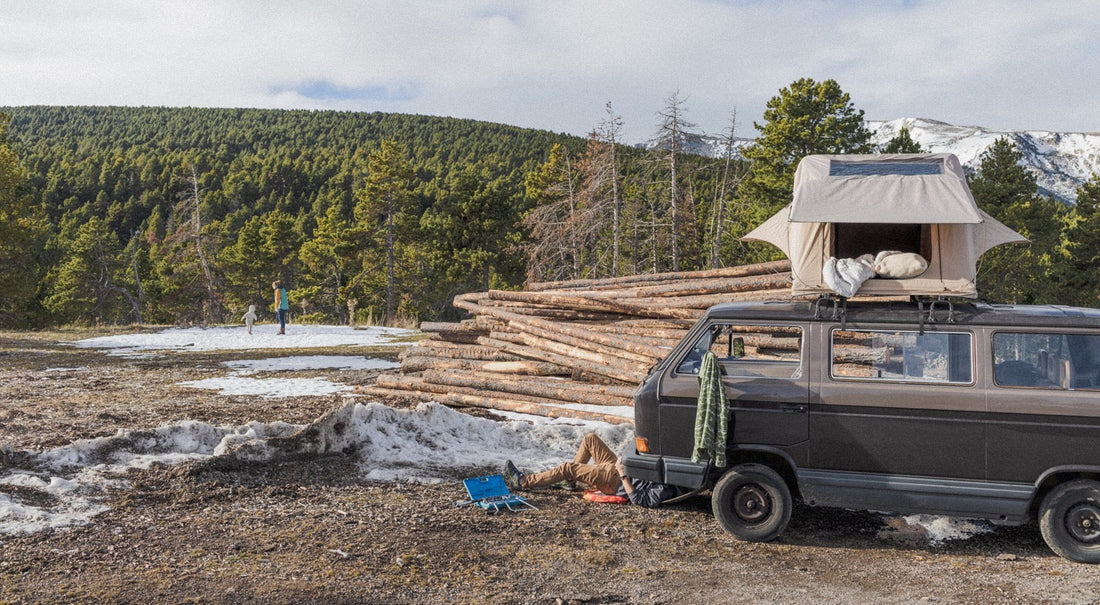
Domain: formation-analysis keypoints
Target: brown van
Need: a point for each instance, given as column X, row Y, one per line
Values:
column 967, row 410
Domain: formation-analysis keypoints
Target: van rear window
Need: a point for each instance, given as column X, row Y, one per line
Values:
column 935, row 357
column 1046, row 361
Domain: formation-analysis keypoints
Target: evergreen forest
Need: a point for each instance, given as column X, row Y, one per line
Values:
column 185, row 216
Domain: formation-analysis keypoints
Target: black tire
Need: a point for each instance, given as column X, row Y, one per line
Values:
column 1069, row 520
column 752, row 502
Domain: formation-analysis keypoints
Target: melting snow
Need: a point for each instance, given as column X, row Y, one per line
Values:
column 270, row 388
column 310, row 362
column 238, row 382
column 237, row 338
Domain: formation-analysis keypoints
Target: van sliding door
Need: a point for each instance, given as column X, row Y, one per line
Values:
column 899, row 402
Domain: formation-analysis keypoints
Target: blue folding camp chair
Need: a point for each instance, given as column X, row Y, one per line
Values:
column 491, row 494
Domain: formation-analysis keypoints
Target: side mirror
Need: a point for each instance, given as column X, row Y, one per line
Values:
column 737, row 347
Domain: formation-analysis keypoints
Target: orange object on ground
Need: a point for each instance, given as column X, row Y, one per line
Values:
column 596, row 495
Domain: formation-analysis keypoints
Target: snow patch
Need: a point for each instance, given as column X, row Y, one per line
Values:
column 238, row 338
column 268, row 388
column 238, row 382
column 310, row 362
column 941, row 529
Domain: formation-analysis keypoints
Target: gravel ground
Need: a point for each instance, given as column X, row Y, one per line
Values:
column 310, row 530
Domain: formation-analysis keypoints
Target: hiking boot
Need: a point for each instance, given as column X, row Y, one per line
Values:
column 568, row 486
column 512, row 477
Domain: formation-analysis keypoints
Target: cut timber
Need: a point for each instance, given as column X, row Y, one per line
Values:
column 587, row 342
column 854, row 354
column 428, row 348
column 581, row 303
column 498, row 403
column 737, row 271
column 565, row 390
column 705, row 301
column 545, row 326
column 455, row 384
column 627, row 375
column 526, row 367
column 778, row 281
column 455, row 332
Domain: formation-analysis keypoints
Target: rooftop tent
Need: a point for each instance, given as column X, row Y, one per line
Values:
column 846, row 206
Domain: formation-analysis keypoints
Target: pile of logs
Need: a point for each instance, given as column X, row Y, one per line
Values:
column 573, row 349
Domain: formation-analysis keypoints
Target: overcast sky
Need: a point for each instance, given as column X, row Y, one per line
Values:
column 1002, row 64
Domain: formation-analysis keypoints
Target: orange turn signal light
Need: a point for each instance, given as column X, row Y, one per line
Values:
column 641, row 444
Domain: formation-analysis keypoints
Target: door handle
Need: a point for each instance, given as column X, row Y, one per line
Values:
column 793, row 408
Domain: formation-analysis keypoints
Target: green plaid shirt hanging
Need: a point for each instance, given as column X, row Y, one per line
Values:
column 712, row 414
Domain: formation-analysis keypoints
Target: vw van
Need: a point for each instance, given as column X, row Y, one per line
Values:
column 968, row 410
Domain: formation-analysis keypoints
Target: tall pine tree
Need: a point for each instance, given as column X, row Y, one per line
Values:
column 805, row 118
column 1007, row 191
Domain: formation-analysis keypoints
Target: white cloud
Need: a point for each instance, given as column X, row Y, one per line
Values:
column 553, row 65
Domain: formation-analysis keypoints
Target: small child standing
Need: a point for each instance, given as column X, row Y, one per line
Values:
column 250, row 317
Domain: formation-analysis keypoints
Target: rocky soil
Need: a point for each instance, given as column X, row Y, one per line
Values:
column 310, row 530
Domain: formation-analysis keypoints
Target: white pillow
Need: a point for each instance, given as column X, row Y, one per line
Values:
column 899, row 265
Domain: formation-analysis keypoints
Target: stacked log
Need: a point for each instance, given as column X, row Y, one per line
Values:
column 574, row 349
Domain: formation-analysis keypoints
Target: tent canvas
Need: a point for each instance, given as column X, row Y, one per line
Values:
column 848, row 205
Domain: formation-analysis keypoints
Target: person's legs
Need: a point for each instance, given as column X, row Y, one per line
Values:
column 282, row 321
column 603, row 477
column 592, row 447
column 601, row 474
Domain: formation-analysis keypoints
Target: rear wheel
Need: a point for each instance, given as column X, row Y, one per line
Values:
column 1069, row 519
column 752, row 502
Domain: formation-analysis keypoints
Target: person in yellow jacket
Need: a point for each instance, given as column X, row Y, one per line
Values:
column 282, row 304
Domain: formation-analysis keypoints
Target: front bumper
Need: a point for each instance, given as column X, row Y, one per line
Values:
column 665, row 469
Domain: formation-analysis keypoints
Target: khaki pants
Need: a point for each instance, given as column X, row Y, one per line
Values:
column 601, row 474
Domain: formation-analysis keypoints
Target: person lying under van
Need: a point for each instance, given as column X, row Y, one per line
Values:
column 605, row 473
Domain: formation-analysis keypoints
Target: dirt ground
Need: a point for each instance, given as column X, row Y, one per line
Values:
column 310, row 530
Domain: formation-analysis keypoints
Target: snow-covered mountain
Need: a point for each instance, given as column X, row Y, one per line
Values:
column 1061, row 161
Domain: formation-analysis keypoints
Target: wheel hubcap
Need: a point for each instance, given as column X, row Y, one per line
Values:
column 1083, row 522
column 751, row 503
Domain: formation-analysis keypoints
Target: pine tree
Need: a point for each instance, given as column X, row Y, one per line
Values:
column 22, row 238
column 86, row 286
column 806, row 118
column 387, row 215
column 325, row 261
column 247, row 268
column 1079, row 277
column 902, row 143
column 1007, row 191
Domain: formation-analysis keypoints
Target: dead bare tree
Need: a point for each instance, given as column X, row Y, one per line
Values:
column 610, row 131
column 189, row 209
column 670, row 139
column 728, row 181
column 551, row 222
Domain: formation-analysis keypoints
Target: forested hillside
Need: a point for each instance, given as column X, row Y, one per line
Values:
column 187, row 215
column 183, row 215
column 127, row 193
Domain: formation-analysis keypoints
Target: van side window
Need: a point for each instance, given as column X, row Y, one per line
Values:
column 749, row 351
column 1046, row 361
column 936, row 357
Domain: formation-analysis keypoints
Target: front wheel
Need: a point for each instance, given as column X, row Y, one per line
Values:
column 1069, row 520
column 752, row 502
